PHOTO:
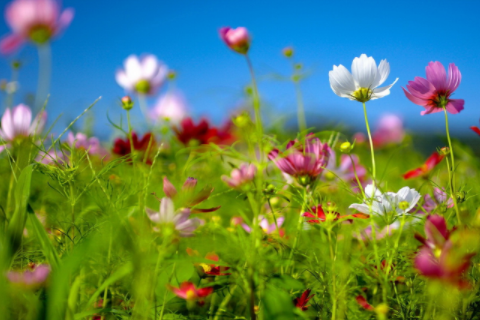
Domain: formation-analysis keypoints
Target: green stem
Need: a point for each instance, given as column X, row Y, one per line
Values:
column 256, row 108
column 302, row 122
column 372, row 151
column 299, row 227
column 224, row 303
column 334, row 279
column 142, row 102
column 44, row 73
column 451, row 171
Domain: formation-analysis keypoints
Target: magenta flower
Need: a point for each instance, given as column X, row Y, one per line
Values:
column 439, row 199
column 143, row 76
column 18, row 123
column 236, row 39
column 306, row 163
column 344, row 171
column 30, row 278
column 34, row 20
column 170, row 107
column 389, row 131
column 439, row 258
column 241, row 176
column 267, row 227
column 81, row 141
column 434, row 92
column 180, row 219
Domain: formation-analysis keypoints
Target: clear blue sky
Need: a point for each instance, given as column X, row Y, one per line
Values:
column 184, row 35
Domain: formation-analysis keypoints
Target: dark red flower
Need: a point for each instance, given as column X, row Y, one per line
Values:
column 212, row 269
column 301, row 302
column 364, row 303
column 425, row 169
column 122, row 147
column 318, row 215
column 203, row 133
column 475, row 129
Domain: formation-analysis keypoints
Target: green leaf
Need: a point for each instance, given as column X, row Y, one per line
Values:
column 124, row 271
column 17, row 222
column 42, row 236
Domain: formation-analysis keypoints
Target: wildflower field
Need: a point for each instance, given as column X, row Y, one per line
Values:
column 183, row 219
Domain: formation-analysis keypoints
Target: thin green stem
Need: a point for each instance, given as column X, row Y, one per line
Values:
column 299, row 227
column 451, row 171
column 334, row 278
column 142, row 102
column 372, row 151
column 256, row 108
column 44, row 73
column 302, row 121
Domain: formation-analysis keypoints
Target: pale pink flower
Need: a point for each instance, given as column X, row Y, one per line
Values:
column 81, row 141
column 344, row 171
column 389, row 131
column 236, row 39
column 267, row 227
column 143, row 76
column 30, row 278
column 439, row 198
column 434, row 92
column 18, row 123
column 34, row 20
column 239, row 177
column 170, row 107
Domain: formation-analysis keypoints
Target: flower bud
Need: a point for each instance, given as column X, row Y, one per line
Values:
column 172, row 75
column 16, row 64
column 445, row 151
column 127, row 103
column 461, row 195
column 236, row 39
column 270, row 190
column 346, row 147
column 331, row 206
column 288, row 52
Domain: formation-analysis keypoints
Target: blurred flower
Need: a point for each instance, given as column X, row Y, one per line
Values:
column 188, row 197
column 267, row 227
column 439, row 258
column 34, row 20
column 212, row 269
column 189, row 291
column 143, row 76
column 81, row 141
column 122, row 147
column 362, row 84
column 239, row 177
column 30, row 278
column 425, row 169
column 170, row 107
column 434, row 92
column 306, row 163
column 236, row 39
column 345, row 171
column 301, row 302
column 18, row 123
column 402, row 201
column 439, row 198
column 180, row 220
column 318, row 215
column 389, row 131
column 364, row 303
column 475, row 129
column 191, row 134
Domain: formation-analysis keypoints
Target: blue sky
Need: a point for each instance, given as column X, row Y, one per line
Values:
column 184, row 35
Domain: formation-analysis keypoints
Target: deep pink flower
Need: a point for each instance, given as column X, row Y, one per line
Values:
column 434, row 92
column 236, row 39
column 475, row 129
column 239, row 177
column 304, row 162
column 34, row 20
column 425, row 169
column 301, row 302
column 389, row 131
column 189, row 291
column 439, row 198
column 30, row 278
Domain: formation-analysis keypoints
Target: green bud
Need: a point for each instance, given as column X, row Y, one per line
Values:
column 445, row 151
column 346, row 147
column 305, row 180
column 461, row 195
column 127, row 103
column 172, row 75
column 288, row 52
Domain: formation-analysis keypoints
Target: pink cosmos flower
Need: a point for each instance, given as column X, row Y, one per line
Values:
column 81, row 141
column 345, row 170
column 34, row 20
column 438, row 258
column 236, row 39
column 18, row 123
column 170, row 107
column 267, row 227
column 189, row 291
column 241, row 176
column 439, row 198
column 434, row 92
column 475, row 129
column 30, row 278
column 304, row 162
column 143, row 76
column 389, row 131
column 167, row 215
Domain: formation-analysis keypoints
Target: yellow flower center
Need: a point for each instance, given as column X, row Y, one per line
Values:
column 206, row 267
column 143, row 86
column 362, row 94
column 403, row 205
column 40, row 34
column 191, row 294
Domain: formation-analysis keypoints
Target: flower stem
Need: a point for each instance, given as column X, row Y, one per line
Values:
column 302, row 122
column 451, row 171
column 299, row 226
column 334, row 279
column 256, row 108
column 371, row 144
column 44, row 74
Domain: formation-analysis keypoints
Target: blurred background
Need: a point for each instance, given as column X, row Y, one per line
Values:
column 184, row 34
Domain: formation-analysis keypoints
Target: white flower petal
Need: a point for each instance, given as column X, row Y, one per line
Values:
column 364, row 71
column 341, row 81
column 382, row 73
column 133, row 69
column 383, row 91
column 149, row 66
column 363, row 208
column 167, row 210
column 123, row 81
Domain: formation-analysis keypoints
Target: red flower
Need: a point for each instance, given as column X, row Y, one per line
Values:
column 203, row 132
column 301, row 302
column 189, row 291
column 364, row 303
column 425, row 169
column 475, row 129
column 122, row 147
column 318, row 215
column 214, row 270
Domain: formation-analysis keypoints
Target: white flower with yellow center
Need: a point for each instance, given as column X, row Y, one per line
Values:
column 363, row 83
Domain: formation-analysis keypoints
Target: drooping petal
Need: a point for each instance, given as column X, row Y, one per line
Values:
column 364, row 71
column 64, row 20
column 382, row 73
column 383, row 91
column 10, row 43
column 454, row 106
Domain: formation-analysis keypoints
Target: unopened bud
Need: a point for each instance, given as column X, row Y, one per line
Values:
column 127, row 103
column 288, row 52
column 298, row 66
column 171, row 75
column 346, row 147
column 16, row 64
column 242, row 120
column 270, row 190
column 445, row 151
column 331, row 206
column 461, row 195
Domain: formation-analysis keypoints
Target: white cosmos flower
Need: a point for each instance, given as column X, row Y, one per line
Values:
column 402, row 201
column 143, row 76
column 362, row 84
